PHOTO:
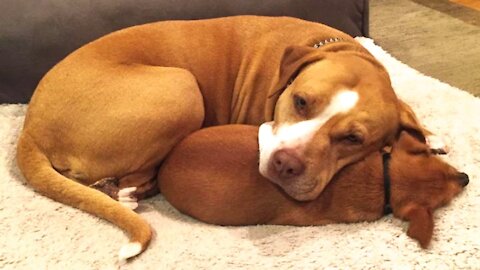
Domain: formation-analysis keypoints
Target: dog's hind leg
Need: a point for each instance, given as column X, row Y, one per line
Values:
column 113, row 120
column 92, row 119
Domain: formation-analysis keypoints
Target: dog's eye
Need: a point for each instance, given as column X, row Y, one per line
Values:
column 353, row 139
column 300, row 104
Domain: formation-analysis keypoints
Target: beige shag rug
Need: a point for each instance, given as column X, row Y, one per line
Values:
column 37, row 233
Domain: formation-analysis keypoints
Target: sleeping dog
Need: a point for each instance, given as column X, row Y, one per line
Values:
column 213, row 176
column 114, row 108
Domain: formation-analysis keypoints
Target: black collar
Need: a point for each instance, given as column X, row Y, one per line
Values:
column 387, row 209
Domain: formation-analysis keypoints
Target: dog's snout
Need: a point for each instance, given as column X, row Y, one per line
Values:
column 287, row 165
column 463, row 179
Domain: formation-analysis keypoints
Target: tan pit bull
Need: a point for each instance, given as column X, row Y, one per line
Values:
column 212, row 175
column 115, row 107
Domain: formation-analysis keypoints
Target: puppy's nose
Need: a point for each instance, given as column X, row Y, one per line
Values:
column 463, row 179
column 287, row 165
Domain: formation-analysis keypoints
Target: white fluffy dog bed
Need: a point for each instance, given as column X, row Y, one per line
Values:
column 37, row 233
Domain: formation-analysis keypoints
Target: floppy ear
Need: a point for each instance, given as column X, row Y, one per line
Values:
column 411, row 144
column 293, row 60
column 421, row 224
column 410, row 123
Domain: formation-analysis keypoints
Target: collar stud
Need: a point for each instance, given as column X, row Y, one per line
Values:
column 327, row 41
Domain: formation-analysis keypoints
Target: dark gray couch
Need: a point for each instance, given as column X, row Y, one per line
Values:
column 34, row 35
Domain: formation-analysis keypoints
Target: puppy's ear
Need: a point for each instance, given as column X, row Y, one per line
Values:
column 410, row 123
column 411, row 144
column 293, row 60
column 421, row 224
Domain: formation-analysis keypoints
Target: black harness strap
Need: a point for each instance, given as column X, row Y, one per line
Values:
column 387, row 209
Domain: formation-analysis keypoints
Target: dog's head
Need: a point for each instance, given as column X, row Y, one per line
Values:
column 339, row 108
column 421, row 182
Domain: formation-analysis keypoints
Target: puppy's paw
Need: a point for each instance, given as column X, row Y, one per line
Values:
column 126, row 196
column 437, row 145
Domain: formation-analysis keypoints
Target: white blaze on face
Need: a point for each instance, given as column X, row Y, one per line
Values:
column 297, row 135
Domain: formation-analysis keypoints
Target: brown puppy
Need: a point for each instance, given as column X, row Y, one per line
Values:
column 114, row 108
column 212, row 175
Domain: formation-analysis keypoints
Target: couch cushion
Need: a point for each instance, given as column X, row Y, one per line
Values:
column 36, row 35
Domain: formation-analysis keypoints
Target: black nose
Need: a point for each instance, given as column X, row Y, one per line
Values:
column 463, row 179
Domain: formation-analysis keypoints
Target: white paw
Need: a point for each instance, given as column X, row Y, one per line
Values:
column 127, row 198
column 129, row 250
column 437, row 145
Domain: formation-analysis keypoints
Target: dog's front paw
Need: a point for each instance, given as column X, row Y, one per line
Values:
column 437, row 145
column 126, row 196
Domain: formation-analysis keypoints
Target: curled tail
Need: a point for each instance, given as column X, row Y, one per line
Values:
column 40, row 174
